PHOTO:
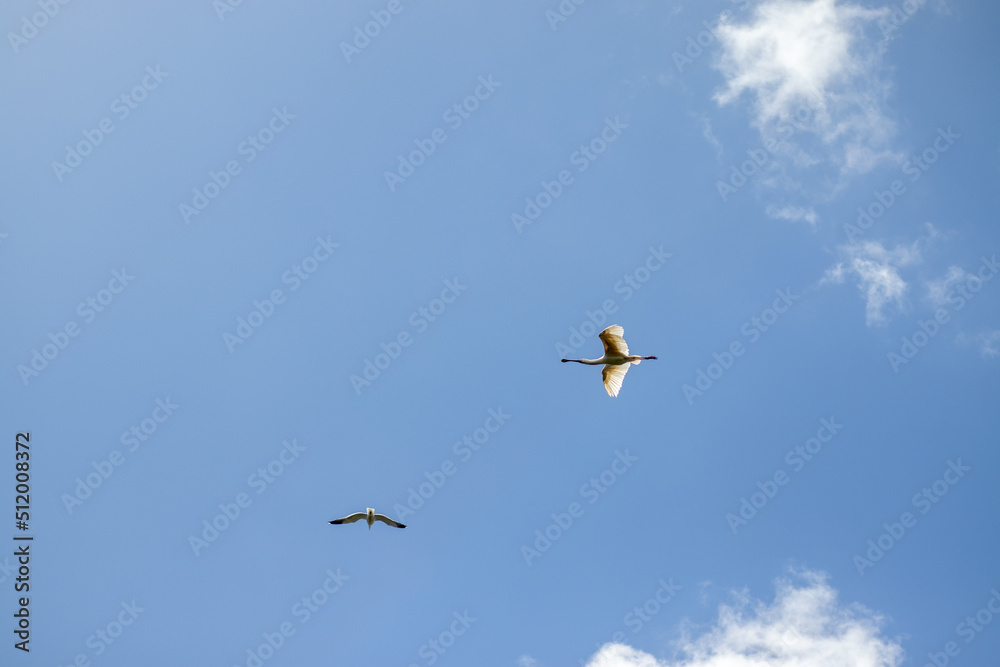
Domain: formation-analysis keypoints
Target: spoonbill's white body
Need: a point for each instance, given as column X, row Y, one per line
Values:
column 616, row 359
column 369, row 516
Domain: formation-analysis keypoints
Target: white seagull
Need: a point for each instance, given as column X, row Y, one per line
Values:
column 369, row 516
column 616, row 359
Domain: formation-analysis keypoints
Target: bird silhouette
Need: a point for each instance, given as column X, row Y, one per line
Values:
column 369, row 516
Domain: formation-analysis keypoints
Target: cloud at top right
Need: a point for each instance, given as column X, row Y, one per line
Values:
column 814, row 64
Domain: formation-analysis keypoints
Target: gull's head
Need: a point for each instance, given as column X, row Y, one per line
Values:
column 371, row 517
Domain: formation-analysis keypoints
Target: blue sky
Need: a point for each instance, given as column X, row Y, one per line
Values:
column 265, row 270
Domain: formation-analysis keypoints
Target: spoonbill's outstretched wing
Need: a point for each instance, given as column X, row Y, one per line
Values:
column 384, row 519
column 613, row 377
column 614, row 344
column 351, row 518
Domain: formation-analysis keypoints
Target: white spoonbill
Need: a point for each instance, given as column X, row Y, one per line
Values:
column 369, row 516
column 616, row 359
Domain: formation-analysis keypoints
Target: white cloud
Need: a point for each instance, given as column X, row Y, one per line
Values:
column 989, row 343
column 703, row 591
column 793, row 213
column 878, row 277
column 804, row 627
column 526, row 661
column 938, row 290
column 809, row 66
column 620, row 655
column 709, row 135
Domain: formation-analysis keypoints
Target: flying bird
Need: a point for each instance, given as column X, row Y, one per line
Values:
column 616, row 359
column 369, row 516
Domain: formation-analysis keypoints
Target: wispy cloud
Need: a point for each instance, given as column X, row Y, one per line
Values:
column 804, row 627
column 793, row 213
column 809, row 65
column 988, row 342
column 939, row 288
column 706, row 131
column 877, row 271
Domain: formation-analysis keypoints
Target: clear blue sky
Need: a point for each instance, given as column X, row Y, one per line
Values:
column 215, row 223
